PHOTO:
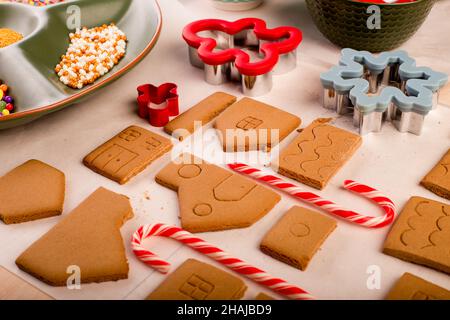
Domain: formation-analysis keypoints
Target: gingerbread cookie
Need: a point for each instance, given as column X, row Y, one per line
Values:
column 317, row 153
column 410, row 287
column 204, row 111
column 252, row 125
column 421, row 234
column 212, row 198
column 127, row 154
column 297, row 236
column 263, row 296
column 88, row 239
column 33, row 190
column 438, row 179
column 14, row 288
column 195, row 280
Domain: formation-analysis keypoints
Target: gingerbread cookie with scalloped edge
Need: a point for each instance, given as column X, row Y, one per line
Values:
column 438, row 179
column 421, row 234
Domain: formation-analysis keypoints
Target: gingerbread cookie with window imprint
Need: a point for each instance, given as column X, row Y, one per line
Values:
column 195, row 280
column 212, row 198
column 421, row 234
column 252, row 125
column 411, row 287
column 127, row 154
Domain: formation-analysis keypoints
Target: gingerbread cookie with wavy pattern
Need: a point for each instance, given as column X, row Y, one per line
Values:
column 411, row 287
column 421, row 234
column 212, row 198
column 438, row 179
column 317, row 153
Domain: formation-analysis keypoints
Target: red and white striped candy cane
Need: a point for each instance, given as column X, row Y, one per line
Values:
column 278, row 285
column 366, row 221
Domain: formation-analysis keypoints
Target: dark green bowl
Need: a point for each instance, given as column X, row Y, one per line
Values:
column 344, row 22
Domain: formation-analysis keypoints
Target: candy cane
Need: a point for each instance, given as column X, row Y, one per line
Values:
column 278, row 285
column 366, row 221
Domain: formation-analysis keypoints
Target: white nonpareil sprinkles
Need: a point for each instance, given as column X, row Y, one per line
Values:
column 91, row 54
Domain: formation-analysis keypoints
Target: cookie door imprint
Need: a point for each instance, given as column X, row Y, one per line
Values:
column 233, row 188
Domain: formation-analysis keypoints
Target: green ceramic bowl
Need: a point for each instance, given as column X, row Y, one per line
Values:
column 344, row 22
column 27, row 66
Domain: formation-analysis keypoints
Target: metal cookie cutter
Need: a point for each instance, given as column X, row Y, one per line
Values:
column 157, row 104
column 243, row 50
column 388, row 87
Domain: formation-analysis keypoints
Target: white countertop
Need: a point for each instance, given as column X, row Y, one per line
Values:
column 390, row 161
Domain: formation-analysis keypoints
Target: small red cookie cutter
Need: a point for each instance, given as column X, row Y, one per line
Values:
column 275, row 46
column 149, row 95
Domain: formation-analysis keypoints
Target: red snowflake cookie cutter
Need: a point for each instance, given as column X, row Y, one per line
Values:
column 151, row 99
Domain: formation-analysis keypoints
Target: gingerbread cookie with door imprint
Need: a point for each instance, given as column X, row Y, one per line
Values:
column 252, row 125
column 411, row 287
column 297, row 236
column 317, row 153
column 86, row 243
column 212, row 198
column 127, row 154
column 33, row 190
column 421, row 234
column 195, row 280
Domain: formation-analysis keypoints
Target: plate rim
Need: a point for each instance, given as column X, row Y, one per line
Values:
column 100, row 83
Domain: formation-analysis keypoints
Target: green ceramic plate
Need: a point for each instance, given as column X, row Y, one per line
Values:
column 27, row 66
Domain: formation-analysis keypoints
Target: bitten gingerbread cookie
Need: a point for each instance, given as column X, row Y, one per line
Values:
column 212, row 198
column 421, row 234
column 87, row 239
column 410, row 287
column 438, row 179
column 317, row 153
column 33, row 190
column 127, row 154
column 297, row 236
column 195, row 280
column 252, row 125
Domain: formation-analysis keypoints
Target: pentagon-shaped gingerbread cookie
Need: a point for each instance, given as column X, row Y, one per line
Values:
column 87, row 241
column 31, row 191
column 252, row 125
column 212, row 198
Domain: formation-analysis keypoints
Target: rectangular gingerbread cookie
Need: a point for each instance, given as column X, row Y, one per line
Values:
column 195, row 280
column 127, row 154
column 438, row 179
column 317, row 153
column 421, row 234
column 204, row 111
column 297, row 236
column 410, row 287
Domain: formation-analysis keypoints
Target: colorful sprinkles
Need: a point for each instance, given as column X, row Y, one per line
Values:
column 6, row 101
